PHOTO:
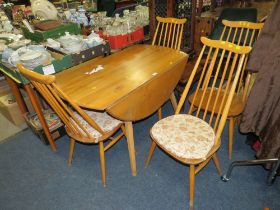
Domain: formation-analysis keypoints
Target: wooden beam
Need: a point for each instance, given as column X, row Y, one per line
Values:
column 193, row 23
column 170, row 8
column 152, row 16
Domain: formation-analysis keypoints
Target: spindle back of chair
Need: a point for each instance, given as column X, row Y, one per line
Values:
column 62, row 105
column 169, row 32
column 213, row 94
column 242, row 33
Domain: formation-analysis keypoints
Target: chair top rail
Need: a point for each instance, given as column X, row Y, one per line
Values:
column 171, row 20
column 243, row 24
column 226, row 46
column 46, row 79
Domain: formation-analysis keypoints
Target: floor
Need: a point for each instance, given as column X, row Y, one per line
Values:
column 8, row 129
column 32, row 177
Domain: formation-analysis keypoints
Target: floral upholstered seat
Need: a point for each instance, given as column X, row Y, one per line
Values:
column 184, row 136
column 105, row 122
column 195, row 141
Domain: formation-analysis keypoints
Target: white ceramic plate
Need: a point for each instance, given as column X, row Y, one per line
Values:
column 30, row 56
column 37, row 62
column 10, row 36
column 19, row 43
column 44, row 9
column 2, row 47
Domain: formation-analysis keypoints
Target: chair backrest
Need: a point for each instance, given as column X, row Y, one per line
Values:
column 62, row 105
column 241, row 33
column 169, row 32
column 213, row 94
column 233, row 14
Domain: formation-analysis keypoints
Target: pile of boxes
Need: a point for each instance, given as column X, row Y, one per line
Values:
column 8, row 105
column 11, row 111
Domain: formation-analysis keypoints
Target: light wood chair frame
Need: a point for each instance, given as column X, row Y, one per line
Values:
column 234, row 31
column 209, row 78
column 241, row 33
column 169, row 33
column 61, row 103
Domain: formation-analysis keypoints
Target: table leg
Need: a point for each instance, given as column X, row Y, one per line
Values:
column 131, row 149
column 17, row 94
column 36, row 105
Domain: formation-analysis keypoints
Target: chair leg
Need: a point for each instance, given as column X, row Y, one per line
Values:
column 230, row 136
column 72, row 145
column 102, row 162
column 173, row 101
column 151, row 152
column 123, row 130
column 160, row 113
column 217, row 164
column 191, row 183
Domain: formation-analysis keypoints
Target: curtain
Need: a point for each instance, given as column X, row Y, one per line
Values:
column 262, row 112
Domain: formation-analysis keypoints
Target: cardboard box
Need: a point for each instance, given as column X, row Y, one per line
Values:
column 4, row 88
column 56, row 131
column 93, row 52
column 56, row 134
column 11, row 110
column 85, row 55
column 39, row 36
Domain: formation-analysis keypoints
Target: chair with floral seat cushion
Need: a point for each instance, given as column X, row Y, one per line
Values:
column 188, row 127
column 241, row 33
column 194, row 138
column 81, row 125
column 169, row 33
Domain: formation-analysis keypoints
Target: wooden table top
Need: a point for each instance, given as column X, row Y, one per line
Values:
column 124, row 72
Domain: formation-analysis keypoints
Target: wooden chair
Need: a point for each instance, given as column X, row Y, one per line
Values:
column 169, row 34
column 233, row 14
column 241, row 33
column 194, row 138
column 81, row 125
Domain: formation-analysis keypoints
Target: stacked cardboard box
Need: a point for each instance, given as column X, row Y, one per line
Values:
column 8, row 105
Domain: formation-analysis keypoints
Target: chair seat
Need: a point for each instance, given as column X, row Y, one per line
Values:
column 105, row 122
column 184, row 136
column 236, row 108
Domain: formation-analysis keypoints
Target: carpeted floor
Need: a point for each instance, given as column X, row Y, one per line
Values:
column 34, row 178
column 8, row 129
